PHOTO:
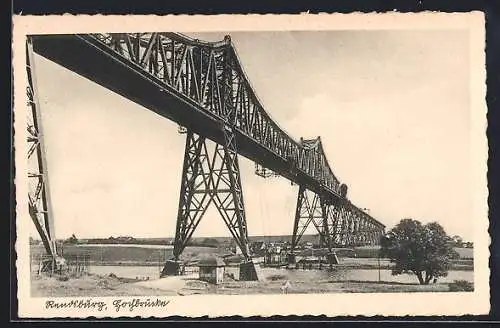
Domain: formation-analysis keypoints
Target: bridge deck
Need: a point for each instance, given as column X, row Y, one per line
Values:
column 89, row 58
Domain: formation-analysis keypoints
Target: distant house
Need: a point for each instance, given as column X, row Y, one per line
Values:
column 211, row 269
column 275, row 255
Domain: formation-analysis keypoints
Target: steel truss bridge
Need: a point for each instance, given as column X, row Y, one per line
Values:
column 202, row 87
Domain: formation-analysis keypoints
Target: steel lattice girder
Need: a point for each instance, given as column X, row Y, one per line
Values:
column 199, row 71
column 39, row 201
column 338, row 224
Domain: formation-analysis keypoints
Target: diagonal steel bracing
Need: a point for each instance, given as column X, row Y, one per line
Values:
column 339, row 224
column 312, row 209
column 206, row 178
column 39, row 201
column 229, row 198
column 195, row 194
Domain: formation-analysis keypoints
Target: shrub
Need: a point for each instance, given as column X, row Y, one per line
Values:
column 275, row 277
column 461, row 286
column 63, row 278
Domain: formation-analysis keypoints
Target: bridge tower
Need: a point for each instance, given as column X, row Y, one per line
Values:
column 39, row 201
column 213, row 177
column 312, row 208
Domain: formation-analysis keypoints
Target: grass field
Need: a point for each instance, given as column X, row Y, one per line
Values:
column 105, row 285
column 98, row 285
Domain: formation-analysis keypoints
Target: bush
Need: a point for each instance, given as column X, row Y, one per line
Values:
column 275, row 277
column 461, row 286
column 62, row 278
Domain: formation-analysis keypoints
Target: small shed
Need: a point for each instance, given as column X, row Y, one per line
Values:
column 211, row 269
column 232, row 268
column 275, row 256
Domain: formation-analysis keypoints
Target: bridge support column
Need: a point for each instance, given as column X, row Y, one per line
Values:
column 334, row 214
column 39, row 202
column 311, row 208
column 206, row 178
column 308, row 209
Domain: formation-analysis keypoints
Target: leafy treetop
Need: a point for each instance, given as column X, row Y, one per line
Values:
column 424, row 250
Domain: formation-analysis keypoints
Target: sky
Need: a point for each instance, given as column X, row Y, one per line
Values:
column 391, row 107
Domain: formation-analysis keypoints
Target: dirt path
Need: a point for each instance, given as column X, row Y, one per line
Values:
column 171, row 283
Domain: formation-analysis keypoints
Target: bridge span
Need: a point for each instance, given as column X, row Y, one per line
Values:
column 202, row 87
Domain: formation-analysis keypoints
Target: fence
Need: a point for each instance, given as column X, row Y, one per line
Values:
column 74, row 265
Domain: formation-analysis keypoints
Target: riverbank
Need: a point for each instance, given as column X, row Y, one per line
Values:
column 156, row 255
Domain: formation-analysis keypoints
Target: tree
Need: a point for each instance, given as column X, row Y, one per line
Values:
column 71, row 240
column 457, row 241
column 424, row 250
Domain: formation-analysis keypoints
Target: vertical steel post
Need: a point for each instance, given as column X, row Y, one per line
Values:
column 194, row 195
column 327, row 235
column 40, row 205
column 295, row 236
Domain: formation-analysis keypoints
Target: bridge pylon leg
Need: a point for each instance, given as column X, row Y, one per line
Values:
column 211, row 177
column 195, row 196
column 331, row 212
column 39, row 202
column 310, row 208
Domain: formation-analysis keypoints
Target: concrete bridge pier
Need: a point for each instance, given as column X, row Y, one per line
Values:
column 292, row 260
column 249, row 271
column 172, row 268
